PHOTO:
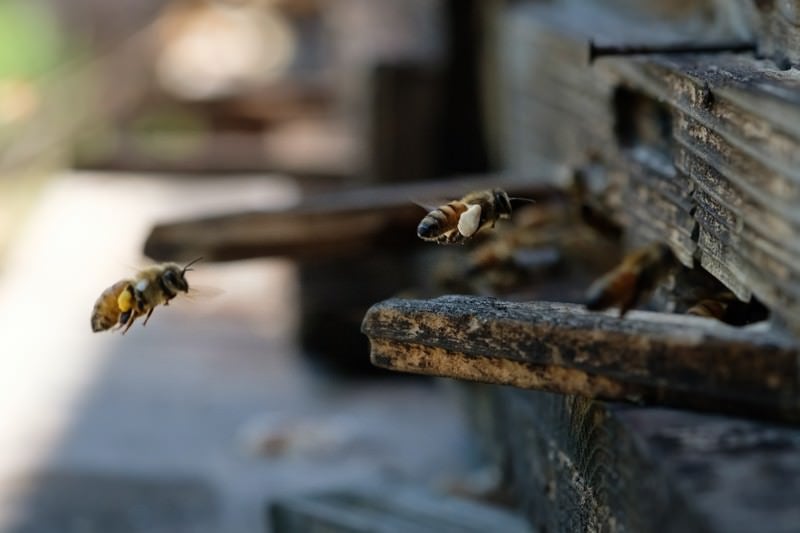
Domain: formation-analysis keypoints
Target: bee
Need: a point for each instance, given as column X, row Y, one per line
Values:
column 122, row 303
column 637, row 275
column 457, row 221
column 710, row 308
column 726, row 307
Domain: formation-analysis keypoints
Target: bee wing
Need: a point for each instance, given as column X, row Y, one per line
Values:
column 203, row 292
column 469, row 221
column 428, row 207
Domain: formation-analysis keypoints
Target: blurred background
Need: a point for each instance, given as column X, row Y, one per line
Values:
column 118, row 116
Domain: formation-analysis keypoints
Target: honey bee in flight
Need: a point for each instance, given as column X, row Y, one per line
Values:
column 637, row 274
column 459, row 220
column 128, row 299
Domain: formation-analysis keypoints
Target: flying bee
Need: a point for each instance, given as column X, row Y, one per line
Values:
column 459, row 220
column 128, row 299
column 637, row 275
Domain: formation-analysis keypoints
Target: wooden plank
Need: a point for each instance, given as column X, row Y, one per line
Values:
column 778, row 28
column 318, row 148
column 389, row 509
column 404, row 110
column 545, row 88
column 585, row 465
column 337, row 224
column 652, row 358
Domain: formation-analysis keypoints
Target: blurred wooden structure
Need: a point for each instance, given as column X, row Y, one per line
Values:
column 336, row 89
column 339, row 224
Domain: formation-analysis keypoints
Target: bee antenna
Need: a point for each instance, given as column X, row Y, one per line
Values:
column 190, row 263
column 518, row 199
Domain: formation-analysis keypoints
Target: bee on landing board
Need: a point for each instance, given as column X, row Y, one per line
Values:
column 459, row 220
column 122, row 303
column 637, row 274
column 726, row 307
column 711, row 307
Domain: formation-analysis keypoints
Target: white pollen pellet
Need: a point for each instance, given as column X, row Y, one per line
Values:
column 469, row 220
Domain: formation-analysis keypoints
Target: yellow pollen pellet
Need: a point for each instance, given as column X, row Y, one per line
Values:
column 124, row 300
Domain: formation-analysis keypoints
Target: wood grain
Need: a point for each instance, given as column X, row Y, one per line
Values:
column 652, row 358
column 582, row 465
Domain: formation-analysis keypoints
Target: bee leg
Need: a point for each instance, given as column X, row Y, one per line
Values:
column 123, row 319
column 150, row 312
column 130, row 321
column 454, row 238
column 140, row 302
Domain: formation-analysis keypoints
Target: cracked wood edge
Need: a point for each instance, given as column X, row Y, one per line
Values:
column 645, row 357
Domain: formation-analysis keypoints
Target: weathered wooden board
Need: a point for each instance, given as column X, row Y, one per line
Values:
column 700, row 149
column 556, row 111
column 736, row 141
column 317, row 149
column 389, row 509
column 651, row 358
column 404, row 109
column 778, row 28
column 582, row 465
column 326, row 225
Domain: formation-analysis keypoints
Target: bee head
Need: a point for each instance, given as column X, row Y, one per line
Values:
column 502, row 201
column 174, row 277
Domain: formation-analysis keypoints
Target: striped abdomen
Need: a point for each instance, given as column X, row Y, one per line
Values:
column 441, row 224
column 709, row 308
column 106, row 311
column 637, row 274
column 617, row 287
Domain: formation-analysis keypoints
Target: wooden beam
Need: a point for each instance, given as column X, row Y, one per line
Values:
column 390, row 509
column 651, row 358
column 585, row 465
column 335, row 224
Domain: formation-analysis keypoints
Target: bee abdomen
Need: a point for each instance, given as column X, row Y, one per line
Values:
column 708, row 309
column 106, row 311
column 440, row 220
column 615, row 288
column 101, row 323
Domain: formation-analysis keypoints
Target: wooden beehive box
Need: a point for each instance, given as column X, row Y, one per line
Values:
column 683, row 129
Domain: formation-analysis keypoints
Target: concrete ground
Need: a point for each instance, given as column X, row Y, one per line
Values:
column 194, row 422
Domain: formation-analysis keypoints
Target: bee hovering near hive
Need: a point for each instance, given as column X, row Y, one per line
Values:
column 459, row 220
column 128, row 299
